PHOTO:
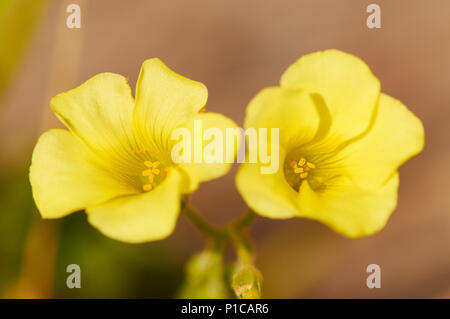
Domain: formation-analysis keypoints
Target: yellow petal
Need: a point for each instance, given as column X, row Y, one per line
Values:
column 65, row 176
column 396, row 135
column 346, row 84
column 140, row 218
column 349, row 209
column 164, row 100
column 205, row 169
column 291, row 111
column 343, row 206
column 268, row 195
column 99, row 112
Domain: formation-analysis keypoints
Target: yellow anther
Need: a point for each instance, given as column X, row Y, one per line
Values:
column 147, row 172
column 147, row 187
column 152, row 165
column 302, row 161
column 151, row 172
column 298, row 170
column 148, row 163
column 310, row 165
column 304, row 175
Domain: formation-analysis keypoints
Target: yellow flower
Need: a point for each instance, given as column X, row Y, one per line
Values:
column 341, row 143
column 115, row 160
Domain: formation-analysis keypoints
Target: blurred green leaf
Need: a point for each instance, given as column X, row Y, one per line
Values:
column 16, row 206
column 112, row 269
column 17, row 21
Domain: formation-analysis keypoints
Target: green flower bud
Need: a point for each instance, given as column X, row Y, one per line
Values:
column 246, row 282
column 205, row 277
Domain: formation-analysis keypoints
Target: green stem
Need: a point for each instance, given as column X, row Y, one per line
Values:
column 245, row 220
column 235, row 233
column 201, row 224
column 246, row 279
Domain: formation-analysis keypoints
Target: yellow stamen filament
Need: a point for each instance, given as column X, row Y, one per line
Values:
column 140, row 151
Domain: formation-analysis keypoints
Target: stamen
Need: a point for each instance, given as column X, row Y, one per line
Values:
column 151, row 172
column 304, row 175
column 147, row 187
column 147, row 172
column 303, row 167
column 302, row 161
column 298, row 170
column 148, row 164
column 310, row 165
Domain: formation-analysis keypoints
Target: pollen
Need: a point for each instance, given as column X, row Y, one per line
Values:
column 310, row 165
column 302, row 161
column 302, row 167
column 298, row 170
column 147, row 187
column 150, row 172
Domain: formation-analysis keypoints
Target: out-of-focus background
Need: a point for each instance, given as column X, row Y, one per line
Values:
column 236, row 48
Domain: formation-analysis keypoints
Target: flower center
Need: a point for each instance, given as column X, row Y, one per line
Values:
column 298, row 170
column 302, row 167
column 150, row 172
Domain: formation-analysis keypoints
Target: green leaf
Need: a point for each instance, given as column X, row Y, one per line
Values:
column 17, row 21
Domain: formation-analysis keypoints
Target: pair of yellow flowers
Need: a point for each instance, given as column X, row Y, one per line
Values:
column 341, row 143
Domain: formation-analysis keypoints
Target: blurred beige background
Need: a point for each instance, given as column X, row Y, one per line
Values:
column 236, row 48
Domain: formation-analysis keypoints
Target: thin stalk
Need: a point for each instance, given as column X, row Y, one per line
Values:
column 202, row 225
